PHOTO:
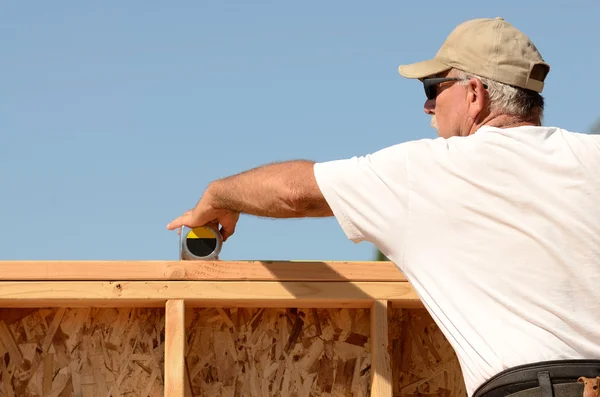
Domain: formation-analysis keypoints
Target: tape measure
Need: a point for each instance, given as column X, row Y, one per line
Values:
column 200, row 243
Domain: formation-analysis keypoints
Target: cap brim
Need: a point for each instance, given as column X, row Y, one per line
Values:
column 423, row 69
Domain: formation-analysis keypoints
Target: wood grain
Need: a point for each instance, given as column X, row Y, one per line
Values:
column 174, row 348
column 381, row 372
column 205, row 293
column 200, row 270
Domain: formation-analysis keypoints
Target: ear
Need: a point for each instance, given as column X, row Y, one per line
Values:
column 477, row 99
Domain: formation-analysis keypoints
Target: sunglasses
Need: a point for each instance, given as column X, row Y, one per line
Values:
column 430, row 85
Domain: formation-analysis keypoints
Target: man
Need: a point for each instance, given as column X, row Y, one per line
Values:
column 495, row 223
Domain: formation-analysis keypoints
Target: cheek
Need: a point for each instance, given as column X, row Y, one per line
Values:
column 448, row 117
column 452, row 108
column 443, row 113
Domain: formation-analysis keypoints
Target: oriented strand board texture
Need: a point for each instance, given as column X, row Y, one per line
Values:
column 278, row 352
column 314, row 352
column 63, row 352
column 230, row 352
column 423, row 362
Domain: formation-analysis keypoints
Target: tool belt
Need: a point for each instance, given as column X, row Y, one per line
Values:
column 560, row 378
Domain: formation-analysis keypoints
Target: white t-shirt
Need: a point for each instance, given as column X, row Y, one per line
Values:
column 498, row 232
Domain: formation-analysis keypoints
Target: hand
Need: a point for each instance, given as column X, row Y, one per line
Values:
column 204, row 215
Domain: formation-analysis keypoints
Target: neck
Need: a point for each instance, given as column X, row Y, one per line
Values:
column 506, row 121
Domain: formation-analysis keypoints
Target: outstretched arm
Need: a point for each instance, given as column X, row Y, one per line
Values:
column 278, row 190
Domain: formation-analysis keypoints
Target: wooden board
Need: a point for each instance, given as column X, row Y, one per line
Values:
column 423, row 362
column 89, row 352
column 315, row 352
column 381, row 373
column 205, row 293
column 313, row 329
column 86, row 352
column 174, row 348
column 279, row 352
column 200, row 270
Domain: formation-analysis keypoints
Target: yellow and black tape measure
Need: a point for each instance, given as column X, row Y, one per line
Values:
column 200, row 243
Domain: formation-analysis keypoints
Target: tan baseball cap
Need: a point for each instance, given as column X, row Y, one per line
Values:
column 488, row 47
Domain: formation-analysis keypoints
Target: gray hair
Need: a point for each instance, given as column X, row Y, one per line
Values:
column 507, row 99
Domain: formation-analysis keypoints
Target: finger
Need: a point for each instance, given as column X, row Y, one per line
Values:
column 176, row 223
column 201, row 217
column 180, row 221
column 228, row 223
column 226, row 233
column 215, row 225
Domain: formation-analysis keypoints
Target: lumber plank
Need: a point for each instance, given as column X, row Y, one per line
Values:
column 201, row 270
column 174, row 348
column 205, row 293
column 381, row 372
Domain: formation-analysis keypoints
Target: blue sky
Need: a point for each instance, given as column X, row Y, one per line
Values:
column 116, row 115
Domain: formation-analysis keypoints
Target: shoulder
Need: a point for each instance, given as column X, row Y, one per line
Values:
column 415, row 156
column 430, row 147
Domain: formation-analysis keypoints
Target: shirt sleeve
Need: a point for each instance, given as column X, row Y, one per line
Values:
column 368, row 195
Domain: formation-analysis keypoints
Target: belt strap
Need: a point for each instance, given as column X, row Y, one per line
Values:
column 542, row 377
column 545, row 384
column 558, row 390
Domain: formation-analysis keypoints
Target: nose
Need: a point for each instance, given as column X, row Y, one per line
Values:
column 429, row 106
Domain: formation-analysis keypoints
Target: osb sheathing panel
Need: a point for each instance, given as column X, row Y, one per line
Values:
column 271, row 352
column 230, row 352
column 313, row 352
column 81, row 352
column 423, row 362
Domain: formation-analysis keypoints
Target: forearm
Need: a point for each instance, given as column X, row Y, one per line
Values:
column 278, row 190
